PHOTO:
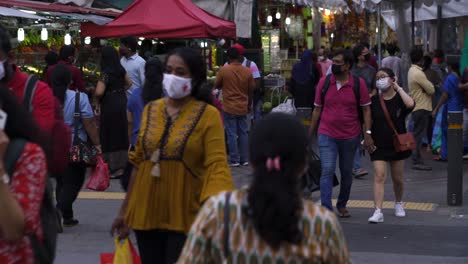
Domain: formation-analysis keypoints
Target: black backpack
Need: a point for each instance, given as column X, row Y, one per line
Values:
column 356, row 90
column 44, row 251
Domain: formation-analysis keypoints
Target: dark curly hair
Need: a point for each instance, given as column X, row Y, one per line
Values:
column 197, row 67
column 274, row 198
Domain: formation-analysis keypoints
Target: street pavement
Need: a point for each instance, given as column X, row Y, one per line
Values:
column 432, row 232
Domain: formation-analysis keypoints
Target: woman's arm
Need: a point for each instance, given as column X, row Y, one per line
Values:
column 128, row 82
column 100, row 89
column 407, row 100
column 90, row 127
column 130, row 125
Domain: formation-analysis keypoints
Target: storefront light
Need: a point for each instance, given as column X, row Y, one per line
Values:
column 139, row 43
column 44, row 34
column 20, row 34
column 269, row 19
column 67, row 39
column 377, row 30
column 332, row 36
column 87, row 40
column 141, row 38
column 278, row 15
column 327, row 12
column 287, row 21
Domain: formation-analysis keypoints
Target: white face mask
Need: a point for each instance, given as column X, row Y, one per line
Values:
column 177, row 87
column 383, row 84
column 2, row 69
column 321, row 58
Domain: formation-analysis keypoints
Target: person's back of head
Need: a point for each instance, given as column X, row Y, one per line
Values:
column 51, row 58
column 67, row 52
column 438, row 53
column 427, row 61
column 391, row 48
column 60, row 79
column 110, row 61
column 5, row 42
column 130, row 42
column 233, row 55
column 278, row 154
column 454, row 67
column 153, row 88
column 416, row 55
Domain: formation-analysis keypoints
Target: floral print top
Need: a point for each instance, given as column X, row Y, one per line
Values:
column 27, row 186
column 323, row 237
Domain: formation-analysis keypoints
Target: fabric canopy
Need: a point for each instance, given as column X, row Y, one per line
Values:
column 169, row 19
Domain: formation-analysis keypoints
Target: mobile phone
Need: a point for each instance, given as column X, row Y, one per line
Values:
column 3, row 119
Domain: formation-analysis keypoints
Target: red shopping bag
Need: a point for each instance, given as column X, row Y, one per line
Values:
column 99, row 179
column 125, row 253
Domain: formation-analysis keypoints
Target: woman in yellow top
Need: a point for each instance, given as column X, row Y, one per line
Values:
column 180, row 161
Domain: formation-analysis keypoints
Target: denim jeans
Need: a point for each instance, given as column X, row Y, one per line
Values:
column 237, row 137
column 357, row 164
column 258, row 110
column 330, row 150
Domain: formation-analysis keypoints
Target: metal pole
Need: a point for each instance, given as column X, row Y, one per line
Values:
column 379, row 34
column 455, row 158
column 439, row 26
column 413, row 37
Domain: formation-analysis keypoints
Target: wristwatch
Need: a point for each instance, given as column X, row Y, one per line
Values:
column 6, row 179
column 368, row 132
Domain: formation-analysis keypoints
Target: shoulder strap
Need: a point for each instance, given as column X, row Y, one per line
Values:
column 387, row 115
column 76, row 116
column 324, row 91
column 227, row 218
column 29, row 90
column 13, row 152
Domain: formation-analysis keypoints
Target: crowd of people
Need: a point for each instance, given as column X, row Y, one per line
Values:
column 165, row 134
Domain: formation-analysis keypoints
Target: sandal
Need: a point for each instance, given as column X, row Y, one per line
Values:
column 439, row 158
column 343, row 213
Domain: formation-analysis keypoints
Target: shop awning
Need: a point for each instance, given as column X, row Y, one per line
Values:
column 11, row 12
column 169, row 19
column 53, row 7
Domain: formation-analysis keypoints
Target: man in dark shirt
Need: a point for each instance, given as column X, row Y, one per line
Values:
column 67, row 56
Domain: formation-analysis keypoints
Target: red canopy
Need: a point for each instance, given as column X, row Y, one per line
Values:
column 167, row 19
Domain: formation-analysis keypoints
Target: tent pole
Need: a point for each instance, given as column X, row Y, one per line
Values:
column 379, row 34
column 412, row 24
column 439, row 26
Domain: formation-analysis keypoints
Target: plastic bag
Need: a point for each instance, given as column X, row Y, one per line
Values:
column 99, row 179
column 125, row 253
column 287, row 107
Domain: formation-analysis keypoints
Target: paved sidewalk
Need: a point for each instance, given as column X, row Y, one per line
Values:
column 432, row 232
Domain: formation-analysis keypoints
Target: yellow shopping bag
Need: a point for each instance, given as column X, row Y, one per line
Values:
column 124, row 253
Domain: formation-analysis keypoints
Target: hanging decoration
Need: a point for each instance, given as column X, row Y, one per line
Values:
column 44, row 34
column 20, row 35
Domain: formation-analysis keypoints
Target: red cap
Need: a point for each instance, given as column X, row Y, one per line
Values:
column 239, row 47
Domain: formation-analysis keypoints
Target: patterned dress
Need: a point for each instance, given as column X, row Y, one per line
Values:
column 27, row 186
column 323, row 238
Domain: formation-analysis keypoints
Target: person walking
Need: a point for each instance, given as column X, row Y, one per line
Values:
column 151, row 90
column 237, row 84
column 452, row 97
column 392, row 61
column 276, row 223
column 363, row 70
column 179, row 162
column 398, row 105
column 133, row 64
column 324, row 61
column 304, row 78
column 435, row 79
column 340, row 127
column 42, row 102
column 421, row 90
column 67, row 57
column 113, row 128
column 21, row 187
column 70, row 182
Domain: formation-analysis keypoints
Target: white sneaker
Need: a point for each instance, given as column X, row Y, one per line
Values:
column 377, row 217
column 399, row 210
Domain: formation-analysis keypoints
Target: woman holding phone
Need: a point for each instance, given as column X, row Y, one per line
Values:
column 399, row 104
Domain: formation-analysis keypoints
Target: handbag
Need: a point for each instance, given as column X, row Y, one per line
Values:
column 286, row 107
column 81, row 151
column 401, row 142
column 99, row 179
column 311, row 177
